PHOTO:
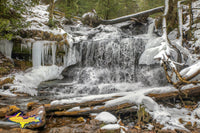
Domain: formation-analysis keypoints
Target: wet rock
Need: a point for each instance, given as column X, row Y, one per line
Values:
column 32, row 105
column 9, row 110
column 38, row 112
column 95, row 122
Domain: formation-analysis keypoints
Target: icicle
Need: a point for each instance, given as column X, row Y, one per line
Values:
column 37, row 53
column 6, row 48
column 53, row 47
column 29, row 46
column 43, row 54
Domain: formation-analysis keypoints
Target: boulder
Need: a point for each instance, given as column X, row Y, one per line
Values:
column 38, row 112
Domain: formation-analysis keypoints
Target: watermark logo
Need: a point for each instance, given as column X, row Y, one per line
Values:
column 23, row 120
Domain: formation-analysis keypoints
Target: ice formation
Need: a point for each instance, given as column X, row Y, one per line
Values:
column 6, row 48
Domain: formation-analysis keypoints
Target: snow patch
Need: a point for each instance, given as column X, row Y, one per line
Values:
column 111, row 127
column 39, row 17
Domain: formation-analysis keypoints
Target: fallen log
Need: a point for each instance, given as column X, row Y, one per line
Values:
column 130, row 17
column 53, row 108
column 93, row 110
column 192, row 92
column 122, row 108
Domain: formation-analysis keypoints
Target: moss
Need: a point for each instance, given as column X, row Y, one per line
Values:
column 17, row 49
column 22, row 65
column 156, row 15
column 6, row 66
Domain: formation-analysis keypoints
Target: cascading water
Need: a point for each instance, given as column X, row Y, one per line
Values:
column 105, row 60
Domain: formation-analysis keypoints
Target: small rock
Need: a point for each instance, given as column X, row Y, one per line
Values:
column 38, row 112
column 80, row 119
column 9, row 110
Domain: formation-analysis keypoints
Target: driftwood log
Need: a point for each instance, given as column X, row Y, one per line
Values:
column 133, row 16
column 98, row 106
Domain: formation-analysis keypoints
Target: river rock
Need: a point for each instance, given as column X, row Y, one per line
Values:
column 9, row 110
column 38, row 112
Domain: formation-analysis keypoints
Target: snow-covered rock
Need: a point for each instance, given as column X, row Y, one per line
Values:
column 106, row 117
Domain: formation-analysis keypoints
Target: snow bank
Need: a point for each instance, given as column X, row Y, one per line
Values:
column 189, row 71
column 29, row 81
column 6, row 93
column 169, row 117
column 106, row 117
column 152, row 48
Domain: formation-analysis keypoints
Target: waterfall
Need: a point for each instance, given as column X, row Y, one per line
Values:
column 151, row 28
column 99, row 60
column 106, row 59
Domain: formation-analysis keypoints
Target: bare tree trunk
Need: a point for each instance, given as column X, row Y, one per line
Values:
column 191, row 14
column 51, row 9
column 172, row 17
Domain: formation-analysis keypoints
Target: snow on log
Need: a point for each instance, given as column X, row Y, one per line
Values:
column 129, row 17
column 123, row 107
column 51, row 108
